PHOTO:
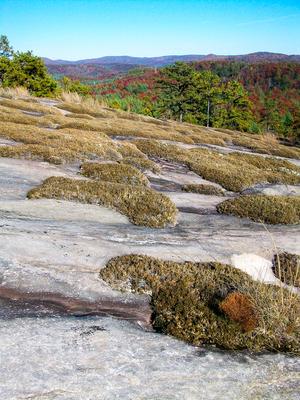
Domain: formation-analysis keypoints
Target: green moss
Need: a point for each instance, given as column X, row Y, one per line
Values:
column 143, row 206
column 286, row 267
column 266, row 209
column 203, row 189
column 188, row 302
column 118, row 173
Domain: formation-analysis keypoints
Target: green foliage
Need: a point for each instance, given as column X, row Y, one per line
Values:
column 177, row 90
column 129, row 103
column 70, row 85
column 234, row 108
column 201, row 97
column 26, row 70
column 5, row 48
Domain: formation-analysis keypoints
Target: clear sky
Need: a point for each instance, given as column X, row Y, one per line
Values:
column 77, row 29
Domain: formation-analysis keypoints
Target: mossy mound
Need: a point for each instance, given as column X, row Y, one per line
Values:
column 211, row 303
column 203, row 189
column 266, row 209
column 234, row 171
column 286, row 267
column 118, row 173
column 143, row 164
column 142, row 205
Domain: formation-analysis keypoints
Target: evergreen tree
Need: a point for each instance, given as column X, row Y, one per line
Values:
column 24, row 69
column 234, row 108
column 5, row 48
column 176, row 89
column 206, row 96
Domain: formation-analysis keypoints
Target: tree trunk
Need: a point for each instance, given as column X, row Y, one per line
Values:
column 208, row 110
column 180, row 117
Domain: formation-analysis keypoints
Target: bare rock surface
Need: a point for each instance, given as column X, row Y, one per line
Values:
column 60, row 246
column 50, row 255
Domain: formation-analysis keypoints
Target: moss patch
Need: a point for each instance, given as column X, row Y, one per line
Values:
column 118, row 173
column 211, row 303
column 233, row 171
column 266, row 209
column 203, row 189
column 286, row 267
column 143, row 164
column 142, row 206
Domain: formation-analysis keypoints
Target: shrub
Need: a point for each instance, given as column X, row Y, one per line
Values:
column 286, row 267
column 266, row 209
column 142, row 206
column 211, row 303
column 118, row 173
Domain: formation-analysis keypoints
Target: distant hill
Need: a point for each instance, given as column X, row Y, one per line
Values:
column 111, row 66
column 165, row 60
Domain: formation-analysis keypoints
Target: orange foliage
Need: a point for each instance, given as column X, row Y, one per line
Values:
column 239, row 308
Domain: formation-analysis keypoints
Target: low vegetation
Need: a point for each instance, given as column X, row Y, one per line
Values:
column 143, row 164
column 266, row 144
column 29, row 106
column 203, row 189
column 68, row 144
column 211, row 303
column 286, row 267
column 142, row 205
column 266, row 209
column 234, row 171
column 118, row 173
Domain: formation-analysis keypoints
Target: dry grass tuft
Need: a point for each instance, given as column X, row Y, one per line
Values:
column 142, row 205
column 29, row 106
column 67, row 144
column 286, row 267
column 203, row 189
column 211, row 303
column 266, row 209
column 143, row 164
column 11, row 93
column 118, row 173
column 233, row 171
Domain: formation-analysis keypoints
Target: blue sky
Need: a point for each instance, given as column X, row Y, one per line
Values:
column 77, row 29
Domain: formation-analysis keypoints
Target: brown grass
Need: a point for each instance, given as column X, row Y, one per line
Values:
column 118, row 173
column 29, row 106
column 286, row 267
column 266, row 209
column 203, row 189
column 10, row 93
column 142, row 206
column 67, row 144
column 143, row 164
column 233, row 171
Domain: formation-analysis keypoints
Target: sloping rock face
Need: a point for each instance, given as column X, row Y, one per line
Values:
column 51, row 252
